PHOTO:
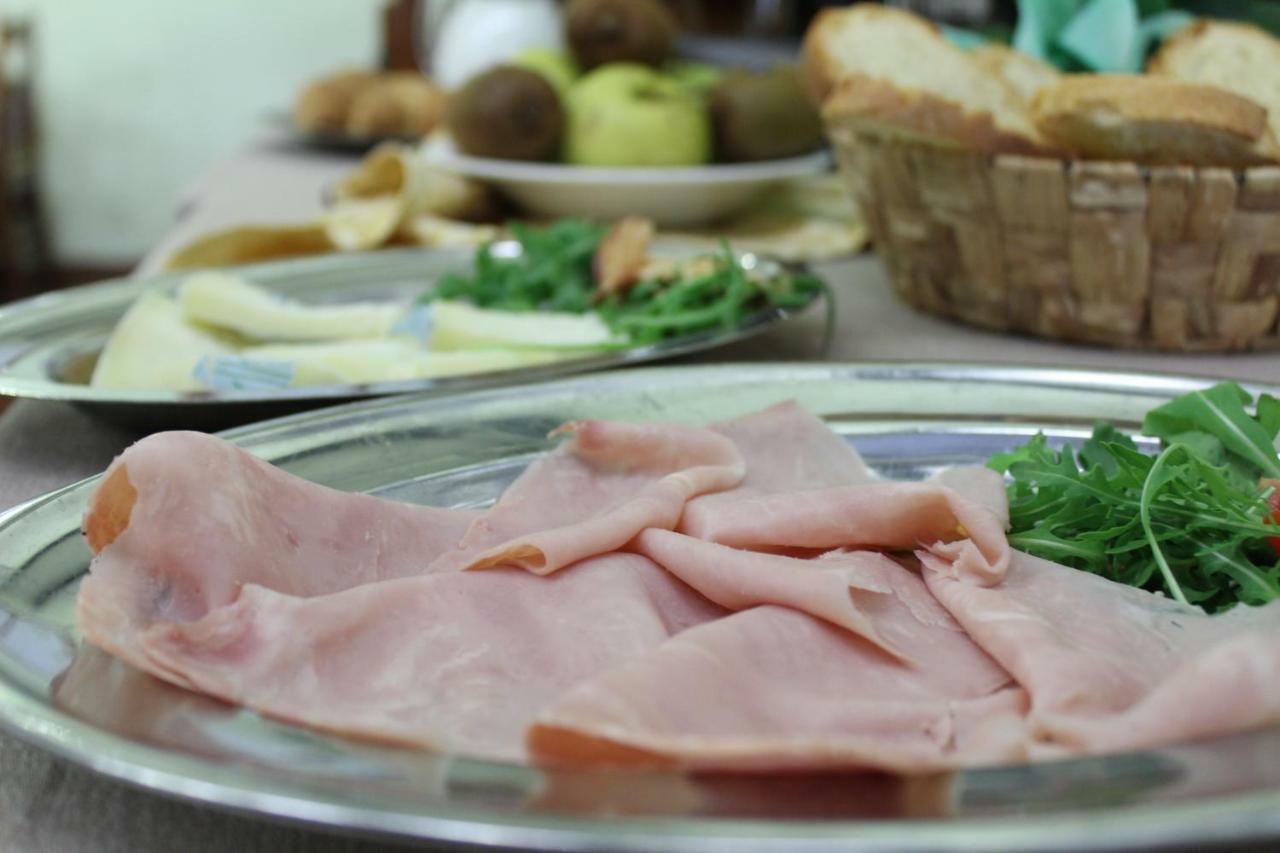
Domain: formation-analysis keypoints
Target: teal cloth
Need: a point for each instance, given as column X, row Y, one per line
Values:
column 1107, row 36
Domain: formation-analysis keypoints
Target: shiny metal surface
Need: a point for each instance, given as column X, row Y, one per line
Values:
column 906, row 419
column 49, row 343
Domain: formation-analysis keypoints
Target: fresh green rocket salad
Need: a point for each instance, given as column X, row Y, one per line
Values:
column 1197, row 521
column 559, row 269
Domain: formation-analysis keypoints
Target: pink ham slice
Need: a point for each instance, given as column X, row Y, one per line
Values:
column 978, row 485
column 789, row 449
column 773, row 688
column 786, row 448
column 1110, row 667
column 459, row 662
column 893, row 516
column 845, row 589
column 183, row 520
column 594, row 494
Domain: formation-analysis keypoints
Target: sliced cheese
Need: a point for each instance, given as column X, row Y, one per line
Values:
column 228, row 301
column 153, row 348
column 388, row 361
column 461, row 325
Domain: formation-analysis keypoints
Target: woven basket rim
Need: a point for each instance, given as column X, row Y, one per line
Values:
column 995, row 158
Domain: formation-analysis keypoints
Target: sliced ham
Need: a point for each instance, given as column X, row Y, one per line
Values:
column 454, row 661
column 979, row 485
column 787, row 448
column 851, row 590
column 656, row 594
column 183, row 520
column 595, row 493
column 1111, row 667
column 894, row 516
column 773, row 688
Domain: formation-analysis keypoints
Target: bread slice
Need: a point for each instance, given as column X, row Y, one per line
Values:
column 894, row 72
column 1240, row 58
column 1155, row 121
column 1025, row 74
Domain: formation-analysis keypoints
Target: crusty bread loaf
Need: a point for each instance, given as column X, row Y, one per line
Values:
column 1155, row 121
column 1025, row 74
column 1240, row 58
column 894, row 72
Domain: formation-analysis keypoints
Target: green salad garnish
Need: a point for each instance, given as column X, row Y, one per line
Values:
column 1196, row 521
column 554, row 272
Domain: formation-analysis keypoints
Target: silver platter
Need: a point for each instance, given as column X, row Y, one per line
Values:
column 49, row 343
column 907, row 420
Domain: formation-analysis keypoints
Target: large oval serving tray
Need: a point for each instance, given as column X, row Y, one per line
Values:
column 906, row 419
column 49, row 343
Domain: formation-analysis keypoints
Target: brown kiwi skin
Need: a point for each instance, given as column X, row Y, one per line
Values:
column 507, row 113
column 763, row 116
column 603, row 31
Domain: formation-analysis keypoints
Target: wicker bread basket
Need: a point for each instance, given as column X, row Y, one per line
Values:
column 1173, row 258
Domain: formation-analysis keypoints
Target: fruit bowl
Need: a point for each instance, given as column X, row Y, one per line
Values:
column 672, row 196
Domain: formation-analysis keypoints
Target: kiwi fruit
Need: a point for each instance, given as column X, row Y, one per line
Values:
column 507, row 113
column 763, row 116
column 603, row 31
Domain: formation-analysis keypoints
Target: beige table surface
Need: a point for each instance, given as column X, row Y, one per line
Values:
column 48, row 805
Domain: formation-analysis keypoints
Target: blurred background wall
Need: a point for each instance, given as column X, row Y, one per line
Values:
column 137, row 97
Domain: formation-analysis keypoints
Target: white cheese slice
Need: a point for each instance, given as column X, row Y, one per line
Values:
column 461, row 325
column 228, row 301
column 388, row 361
column 153, row 348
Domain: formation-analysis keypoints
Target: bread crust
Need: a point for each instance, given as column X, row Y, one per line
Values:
column 878, row 105
column 1165, row 60
column 894, row 101
column 1154, row 120
column 1023, row 73
column 821, row 70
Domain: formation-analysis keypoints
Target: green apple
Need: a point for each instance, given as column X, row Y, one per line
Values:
column 557, row 67
column 625, row 114
column 698, row 76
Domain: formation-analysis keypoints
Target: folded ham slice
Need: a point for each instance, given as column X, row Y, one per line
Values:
column 842, row 588
column 1110, row 667
column 894, row 516
column 787, row 448
column 459, row 662
column 595, row 493
column 183, row 520
column 773, row 688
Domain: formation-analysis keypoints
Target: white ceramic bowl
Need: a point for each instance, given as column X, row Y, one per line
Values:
column 673, row 197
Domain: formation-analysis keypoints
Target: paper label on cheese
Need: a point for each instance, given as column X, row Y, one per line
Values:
column 229, row 373
column 418, row 323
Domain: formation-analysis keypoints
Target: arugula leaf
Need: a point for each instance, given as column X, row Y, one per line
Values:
column 1191, row 522
column 1220, row 412
column 553, row 272
column 1269, row 415
column 1160, row 474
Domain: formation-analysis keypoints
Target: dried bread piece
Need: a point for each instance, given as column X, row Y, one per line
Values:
column 1154, row 121
column 322, row 106
column 1025, row 74
column 895, row 73
column 397, row 104
column 1240, row 58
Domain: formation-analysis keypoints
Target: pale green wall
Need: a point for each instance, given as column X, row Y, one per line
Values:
column 137, row 97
